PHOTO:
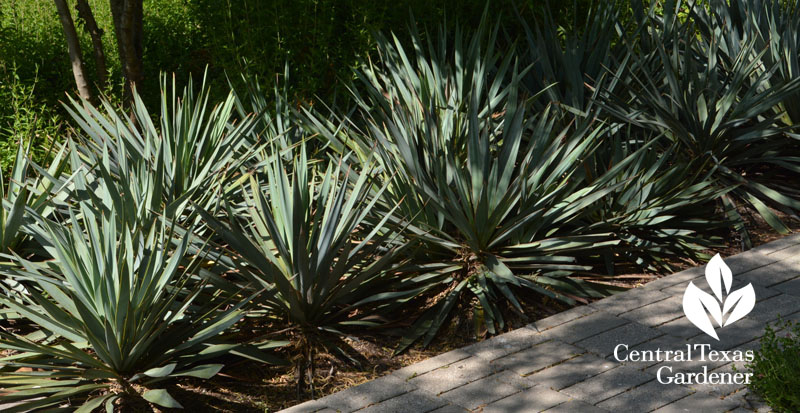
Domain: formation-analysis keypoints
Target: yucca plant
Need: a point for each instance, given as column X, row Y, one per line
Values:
column 664, row 211
column 183, row 156
column 771, row 24
column 275, row 120
column 562, row 65
column 721, row 112
column 115, row 314
column 310, row 238
column 490, row 190
column 27, row 188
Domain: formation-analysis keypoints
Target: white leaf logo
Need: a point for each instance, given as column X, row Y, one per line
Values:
column 701, row 307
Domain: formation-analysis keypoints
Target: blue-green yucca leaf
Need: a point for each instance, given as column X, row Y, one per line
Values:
column 162, row 398
column 30, row 187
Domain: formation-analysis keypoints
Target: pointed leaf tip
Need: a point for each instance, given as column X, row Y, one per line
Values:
column 717, row 274
column 161, row 398
column 742, row 301
column 161, row 371
column 694, row 301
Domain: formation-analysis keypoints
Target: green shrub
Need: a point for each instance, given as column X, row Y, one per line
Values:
column 31, row 40
column 321, row 40
column 775, row 367
column 663, row 211
column 773, row 27
column 24, row 118
column 562, row 64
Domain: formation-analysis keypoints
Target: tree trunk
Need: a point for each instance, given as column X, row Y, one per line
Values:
column 127, row 15
column 74, row 49
column 96, row 33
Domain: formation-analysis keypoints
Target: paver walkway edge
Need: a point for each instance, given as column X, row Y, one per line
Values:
column 565, row 363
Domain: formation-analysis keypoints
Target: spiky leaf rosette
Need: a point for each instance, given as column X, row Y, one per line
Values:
column 308, row 236
column 114, row 313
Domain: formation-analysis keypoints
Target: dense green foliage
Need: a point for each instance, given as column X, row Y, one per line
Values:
column 321, row 41
column 458, row 174
column 775, row 367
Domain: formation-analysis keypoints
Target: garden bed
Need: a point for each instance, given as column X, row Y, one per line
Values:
column 240, row 387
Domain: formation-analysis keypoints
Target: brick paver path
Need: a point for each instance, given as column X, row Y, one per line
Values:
column 566, row 363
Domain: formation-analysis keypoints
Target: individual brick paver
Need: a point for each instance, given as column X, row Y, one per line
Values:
column 791, row 287
column 454, row 375
column 573, row 406
column 416, row 401
column 537, row 357
column 450, row 408
column 784, row 253
column 752, row 260
column 375, row 391
column 657, row 313
column 430, row 364
column 608, row 384
column 312, row 406
column 572, row 371
column 778, row 245
column 535, row 399
column 585, row 327
column 699, row 402
column 682, row 277
column 629, row 300
column 504, row 344
column 773, row 274
column 561, row 318
column 487, row 390
column 679, row 327
column 772, row 308
column 566, row 362
column 640, row 399
column 632, row 334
